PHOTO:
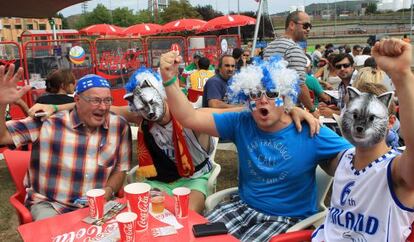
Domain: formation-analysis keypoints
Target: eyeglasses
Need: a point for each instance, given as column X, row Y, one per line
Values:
column 254, row 95
column 246, row 55
column 339, row 66
column 304, row 25
column 228, row 65
column 95, row 101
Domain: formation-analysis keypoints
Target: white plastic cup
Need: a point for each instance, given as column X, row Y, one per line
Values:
column 96, row 201
column 127, row 225
column 181, row 201
column 138, row 197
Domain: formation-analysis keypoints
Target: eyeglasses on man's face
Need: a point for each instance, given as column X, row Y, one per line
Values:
column 95, row 101
column 254, row 95
column 228, row 65
column 339, row 66
column 304, row 25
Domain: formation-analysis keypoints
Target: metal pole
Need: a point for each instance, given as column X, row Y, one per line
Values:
column 256, row 29
column 238, row 12
column 411, row 20
column 110, row 11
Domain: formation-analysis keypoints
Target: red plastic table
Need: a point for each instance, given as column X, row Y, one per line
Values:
column 69, row 227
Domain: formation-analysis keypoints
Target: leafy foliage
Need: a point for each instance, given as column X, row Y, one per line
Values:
column 124, row 17
column 371, row 8
column 177, row 10
column 207, row 12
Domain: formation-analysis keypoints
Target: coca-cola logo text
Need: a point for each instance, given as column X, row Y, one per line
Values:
column 92, row 207
column 143, row 203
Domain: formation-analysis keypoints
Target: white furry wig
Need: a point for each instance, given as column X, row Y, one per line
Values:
column 271, row 75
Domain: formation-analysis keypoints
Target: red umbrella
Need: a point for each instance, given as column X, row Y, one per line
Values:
column 185, row 24
column 143, row 29
column 227, row 21
column 102, row 29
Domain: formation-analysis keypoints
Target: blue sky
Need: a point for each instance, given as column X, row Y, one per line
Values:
column 224, row 6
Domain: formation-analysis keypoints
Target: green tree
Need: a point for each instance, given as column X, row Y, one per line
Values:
column 144, row 16
column 371, row 8
column 100, row 15
column 178, row 10
column 207, row 12
column 123, row 17
column 65, row 24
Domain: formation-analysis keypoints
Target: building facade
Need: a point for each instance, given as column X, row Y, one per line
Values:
column 12, row 28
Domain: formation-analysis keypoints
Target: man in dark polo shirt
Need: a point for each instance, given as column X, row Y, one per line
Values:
column 215, row 90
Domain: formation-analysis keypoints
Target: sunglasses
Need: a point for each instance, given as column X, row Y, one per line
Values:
column 305, row 25
column 339, row 66
column 228, row 65
column 254, row 95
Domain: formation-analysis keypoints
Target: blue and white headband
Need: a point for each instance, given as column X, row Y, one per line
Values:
column 271, row 75
column 90, row 81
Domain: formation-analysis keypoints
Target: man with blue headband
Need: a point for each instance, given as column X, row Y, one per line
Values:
column 276, row 162
column 73, row 151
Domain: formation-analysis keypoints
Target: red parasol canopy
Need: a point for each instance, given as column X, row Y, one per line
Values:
column 184, row 24
column 227, row 21
column 143, row 29
column 102, row 29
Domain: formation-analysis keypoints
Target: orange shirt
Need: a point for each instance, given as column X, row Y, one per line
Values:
column 199, row 78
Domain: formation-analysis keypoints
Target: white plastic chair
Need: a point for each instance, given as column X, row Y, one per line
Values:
column 323, row 182
column 212, row 180
column 198, row 103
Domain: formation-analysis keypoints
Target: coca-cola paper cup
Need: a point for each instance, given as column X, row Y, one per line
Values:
column 96, row 201
column 181, row 198
column 138, row 196
column 127, row 224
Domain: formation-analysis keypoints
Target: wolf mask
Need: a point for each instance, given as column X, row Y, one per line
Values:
column 145, row 94
column 364, row 121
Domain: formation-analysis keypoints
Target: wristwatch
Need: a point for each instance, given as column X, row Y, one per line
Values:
column 313, row 109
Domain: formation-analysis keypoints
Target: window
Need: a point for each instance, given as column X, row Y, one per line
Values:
column 18, row 26
column 29, row 26
column 7, row 26
column 42, row 26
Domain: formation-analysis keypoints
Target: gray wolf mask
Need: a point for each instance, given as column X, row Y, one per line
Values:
column 364, row 121
column 146, row 95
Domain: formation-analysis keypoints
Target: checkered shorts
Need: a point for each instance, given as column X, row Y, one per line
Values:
column 247, row 224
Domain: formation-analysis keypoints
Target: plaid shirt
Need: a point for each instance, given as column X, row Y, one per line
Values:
column 67, row 160
column 342, row 91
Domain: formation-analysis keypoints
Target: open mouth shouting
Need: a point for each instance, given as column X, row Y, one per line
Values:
column 99, row 115
column 263, row 111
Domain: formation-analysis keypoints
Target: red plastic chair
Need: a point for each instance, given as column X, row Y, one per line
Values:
column 18, row 163
column 411, row 236
column 194, row 94
column 297, row 236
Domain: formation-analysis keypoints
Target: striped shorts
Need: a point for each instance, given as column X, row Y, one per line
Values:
column 247, row 224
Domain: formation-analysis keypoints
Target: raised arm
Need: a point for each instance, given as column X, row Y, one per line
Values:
column 9, row 93
column 180, row 107
column 394, row 57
